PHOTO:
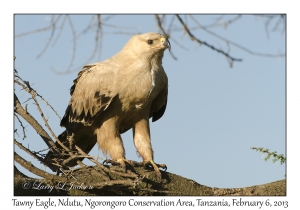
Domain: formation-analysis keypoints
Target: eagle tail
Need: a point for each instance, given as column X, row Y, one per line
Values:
column 55, row 158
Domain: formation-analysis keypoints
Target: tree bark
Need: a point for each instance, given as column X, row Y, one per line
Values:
column 148, row 185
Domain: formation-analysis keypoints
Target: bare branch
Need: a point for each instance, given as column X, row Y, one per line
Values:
column 50, row 38
column 34, row 169
column 235, row 44
column 29, row 152
column 225, row 24
column 27, row 90
column 23, row 128
column 43, row 117
column 75, row 156
column 27, row 116
column 30, row 90
column 60, row 30
column 193, row 38
column 98, row 39
column 87, row 28
column 159, row 23
column 51, row 26
column 269, row 19
column 98, row 42
column 74, row 42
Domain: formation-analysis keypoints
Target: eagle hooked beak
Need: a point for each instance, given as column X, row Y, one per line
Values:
column 165, row 42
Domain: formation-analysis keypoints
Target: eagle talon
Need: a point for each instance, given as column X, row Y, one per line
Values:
column 112, row 162
column 122, row 163
column 155, row 166
column 162, row 166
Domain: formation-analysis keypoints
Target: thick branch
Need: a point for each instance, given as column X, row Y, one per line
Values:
column 32, row 92
column 39, row 129
column 106, row 169
column 34, row 169
column 127, row 182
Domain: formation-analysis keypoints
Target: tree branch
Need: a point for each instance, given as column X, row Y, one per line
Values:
column 193, row 38
column 74, row 42
column 235, row 44
column 158, row 20
column 27, row 116
column 29, row 152
column 27, row 90
column 51, row 26
column 34, row 169
column 23, row 128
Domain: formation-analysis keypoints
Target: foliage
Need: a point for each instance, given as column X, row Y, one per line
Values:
column 274, row 154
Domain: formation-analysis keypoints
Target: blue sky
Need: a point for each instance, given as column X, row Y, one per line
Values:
column 215, row 113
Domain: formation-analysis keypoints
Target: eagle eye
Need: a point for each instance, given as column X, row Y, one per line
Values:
column 150, row 41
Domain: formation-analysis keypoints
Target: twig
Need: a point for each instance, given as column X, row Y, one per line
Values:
column 70, row 139
column 39, row 129
column 39, row 172
column 30, row 90
column 75, row 156
column 99, row 26
column 44, row 119
column 41, row 29
column 98, row 41
column 104, row 168
column 74, row 42
column 30, row 153
column 35, row 170
column 168, row 34
column 23, row 128
column 49, row 40
column 52, row 177
column 26, row 89
column 223, row 24
column 159, row 23
column 98, row 38
column 193, row 38
column 235, row 44
column 158, row 20
column 280, row 157
column 60, row 30
column 89, row 26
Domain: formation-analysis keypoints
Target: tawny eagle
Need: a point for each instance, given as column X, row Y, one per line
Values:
column 123, row 92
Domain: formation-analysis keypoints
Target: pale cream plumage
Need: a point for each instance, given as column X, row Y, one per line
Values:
column 122, row 92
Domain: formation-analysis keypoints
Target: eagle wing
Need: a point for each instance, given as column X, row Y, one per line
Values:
column 91, row 94
column 159, row 105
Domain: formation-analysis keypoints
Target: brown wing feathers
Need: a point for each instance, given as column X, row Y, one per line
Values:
column 85, row 103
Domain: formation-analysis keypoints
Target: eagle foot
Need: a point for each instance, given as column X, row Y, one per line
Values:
column 151, row 164
column 122, row 163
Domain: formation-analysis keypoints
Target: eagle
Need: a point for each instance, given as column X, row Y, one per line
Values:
column 110, row 97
